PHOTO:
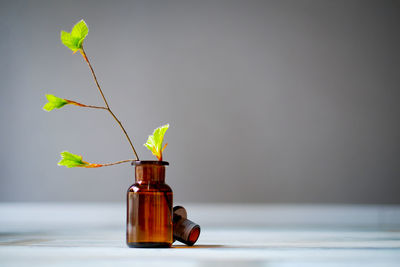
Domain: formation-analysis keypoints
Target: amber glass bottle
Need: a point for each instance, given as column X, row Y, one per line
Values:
column 149, row 207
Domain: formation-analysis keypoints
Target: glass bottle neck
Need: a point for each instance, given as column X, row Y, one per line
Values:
column 149, row 173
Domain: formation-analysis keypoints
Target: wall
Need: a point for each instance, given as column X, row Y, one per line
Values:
column 268, row 101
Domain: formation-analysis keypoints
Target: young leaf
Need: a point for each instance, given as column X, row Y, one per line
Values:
column 74, row 40
column 54, row 102
column 70, row 160
column 79, row 32
column 154, row 142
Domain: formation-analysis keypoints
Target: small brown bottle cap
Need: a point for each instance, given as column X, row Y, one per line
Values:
column 185, row 230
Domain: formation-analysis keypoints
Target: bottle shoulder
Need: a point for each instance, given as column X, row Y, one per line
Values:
column 149, row 187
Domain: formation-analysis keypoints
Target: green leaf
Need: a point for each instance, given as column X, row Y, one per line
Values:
column 68, row 41
column 54, row 102
column 70, row 160
column 74, row 40
column 154, row 142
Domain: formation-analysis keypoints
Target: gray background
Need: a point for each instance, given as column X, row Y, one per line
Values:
column 268, row 101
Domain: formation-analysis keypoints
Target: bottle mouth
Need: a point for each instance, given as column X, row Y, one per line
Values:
column 149, row 162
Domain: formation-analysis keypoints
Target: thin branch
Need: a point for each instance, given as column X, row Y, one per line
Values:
column 105, row 101
column 94, row 76
column 118, row 162
column 95, row 165
column 83, row 105
column 89, row 106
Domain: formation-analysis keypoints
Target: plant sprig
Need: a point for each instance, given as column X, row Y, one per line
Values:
column 56, row 102
column 70, row 160
column 74, row 41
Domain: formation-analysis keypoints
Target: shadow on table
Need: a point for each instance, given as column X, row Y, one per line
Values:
column 199, row 246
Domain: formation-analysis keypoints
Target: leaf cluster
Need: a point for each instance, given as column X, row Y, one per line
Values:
column 70, row 160
column 154, row 142
column 74, row 39
column 54, row 102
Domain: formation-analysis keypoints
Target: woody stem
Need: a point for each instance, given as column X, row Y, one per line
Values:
column 105, row 101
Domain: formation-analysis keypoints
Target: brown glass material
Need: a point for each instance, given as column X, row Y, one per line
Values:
column 149, row 207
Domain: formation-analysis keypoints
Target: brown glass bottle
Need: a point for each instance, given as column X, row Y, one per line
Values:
column 149, row 207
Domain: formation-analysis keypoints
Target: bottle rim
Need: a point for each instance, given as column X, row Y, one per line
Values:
column 150, row 162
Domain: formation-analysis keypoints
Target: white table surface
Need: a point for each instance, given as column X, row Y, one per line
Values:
column 42, row 234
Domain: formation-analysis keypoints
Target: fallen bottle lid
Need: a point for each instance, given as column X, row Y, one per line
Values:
column 185, row 230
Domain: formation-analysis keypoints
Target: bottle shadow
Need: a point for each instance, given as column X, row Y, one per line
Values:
column 198, row 246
